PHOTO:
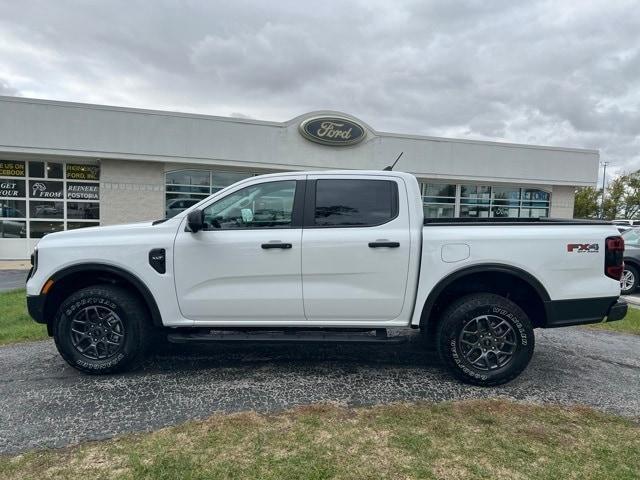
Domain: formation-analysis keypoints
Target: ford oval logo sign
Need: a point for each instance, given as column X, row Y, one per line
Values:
column 332, row 130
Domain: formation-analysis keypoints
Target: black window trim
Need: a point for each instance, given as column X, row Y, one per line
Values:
column 296, row 213
column 310, row 203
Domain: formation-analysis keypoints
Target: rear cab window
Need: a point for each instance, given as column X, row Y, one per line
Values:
column 353, row 203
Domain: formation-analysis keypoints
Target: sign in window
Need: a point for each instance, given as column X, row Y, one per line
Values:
column 83, row 172
column 83, row 191
column 12, row 169
column 44, row 189
column 12, row 188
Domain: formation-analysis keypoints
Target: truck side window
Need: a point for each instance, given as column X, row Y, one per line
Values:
column 355, row 203
column 265, row 205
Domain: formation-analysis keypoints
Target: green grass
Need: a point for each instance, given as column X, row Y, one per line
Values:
column 629, row 324
column 15, row 323
column 462, row 440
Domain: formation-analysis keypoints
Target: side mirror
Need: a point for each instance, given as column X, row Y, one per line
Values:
column 195, row 221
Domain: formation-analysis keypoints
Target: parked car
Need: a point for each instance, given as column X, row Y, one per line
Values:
column 7, row 212
column 13, row 228
column 631, row 273
column 626, row 222
column 325, row 257
column 178, row 205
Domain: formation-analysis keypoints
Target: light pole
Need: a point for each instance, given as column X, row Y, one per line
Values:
column 604, row 179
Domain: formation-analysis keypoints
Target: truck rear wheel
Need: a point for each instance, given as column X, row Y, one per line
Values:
column 629, row 281
column 102, row 329
column 485, row 339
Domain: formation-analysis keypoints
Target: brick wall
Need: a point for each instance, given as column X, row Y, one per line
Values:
column 562, row 199
column 131, row 191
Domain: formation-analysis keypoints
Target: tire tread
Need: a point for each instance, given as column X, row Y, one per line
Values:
column 137, row 317
column 470, row 302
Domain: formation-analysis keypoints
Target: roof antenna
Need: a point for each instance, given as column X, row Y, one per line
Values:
column 390, row 167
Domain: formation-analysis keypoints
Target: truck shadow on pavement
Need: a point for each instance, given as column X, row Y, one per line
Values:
column 416, row 352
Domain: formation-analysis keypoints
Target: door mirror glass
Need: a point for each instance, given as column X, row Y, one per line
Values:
column 195, row 221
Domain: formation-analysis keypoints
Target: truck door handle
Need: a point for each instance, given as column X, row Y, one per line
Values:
column 384, row 244
column 268, row 246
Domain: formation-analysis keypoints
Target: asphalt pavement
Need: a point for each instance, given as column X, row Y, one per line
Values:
column 45, row 403
column 12, row 279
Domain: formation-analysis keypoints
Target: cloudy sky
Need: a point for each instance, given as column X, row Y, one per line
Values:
column 552, row 73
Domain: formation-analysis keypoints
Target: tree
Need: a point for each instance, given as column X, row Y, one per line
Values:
column 586, row 204
column 623, row 197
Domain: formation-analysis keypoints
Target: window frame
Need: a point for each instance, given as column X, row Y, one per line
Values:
column 296, row 211
column 310, row 202
column 439, row 201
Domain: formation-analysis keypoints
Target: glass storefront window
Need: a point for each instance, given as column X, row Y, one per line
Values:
column 506, row 196
column 82, row 172
column 13, row 229
column 188, row 189
column 43, row 189
column 12, row 188
column 535, row 198
column 38, row 209
column 175, row 196
column 40, row 229
column 434, row 210
column 185, row 188
column 54, row 170
column 83, row 191
column 177, row 205
column 76, row 225
column 438, row 200
column 83, row 210
column 504, row 211
column 476, row 211
column 9, row 168
column 224, row 179
column 438, row 193
column 439, row 190
column 36, row 169
column 475, row 194
column 189, row 177
column 534, row 212
column 481, row 201
column 35, row 204
column 13, row 208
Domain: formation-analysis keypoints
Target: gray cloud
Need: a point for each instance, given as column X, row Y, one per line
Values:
column 6, row 89
column 538, row 72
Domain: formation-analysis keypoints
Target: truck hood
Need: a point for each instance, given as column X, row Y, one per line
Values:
column 102, row 233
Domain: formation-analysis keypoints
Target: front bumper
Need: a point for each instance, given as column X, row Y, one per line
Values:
column 563, row 313
column 35, row 306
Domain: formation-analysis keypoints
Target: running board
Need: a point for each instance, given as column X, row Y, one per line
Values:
column 294, row 336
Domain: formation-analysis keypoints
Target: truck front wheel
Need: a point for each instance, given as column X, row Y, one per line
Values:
column 485, row 339
column 102, row 329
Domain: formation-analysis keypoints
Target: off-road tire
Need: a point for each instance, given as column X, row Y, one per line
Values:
column 469, row 308
column 133, row 318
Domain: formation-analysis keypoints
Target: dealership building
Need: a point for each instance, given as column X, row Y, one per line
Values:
column 68, row 165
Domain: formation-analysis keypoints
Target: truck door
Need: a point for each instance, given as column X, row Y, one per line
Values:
column 245, row 266
column 355, row 248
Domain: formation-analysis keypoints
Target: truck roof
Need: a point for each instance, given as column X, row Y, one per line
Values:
column 385, row 173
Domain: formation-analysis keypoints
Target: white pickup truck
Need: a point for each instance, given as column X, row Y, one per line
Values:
column 336, row 256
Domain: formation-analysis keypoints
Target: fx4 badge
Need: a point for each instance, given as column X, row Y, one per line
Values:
column 583, row 247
